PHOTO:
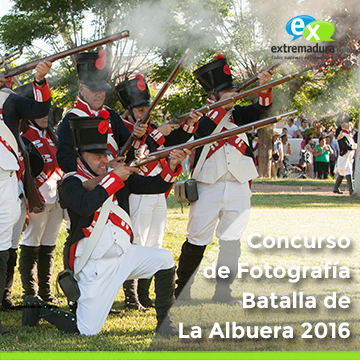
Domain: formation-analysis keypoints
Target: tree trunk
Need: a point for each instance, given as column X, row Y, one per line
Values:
column 264, row 157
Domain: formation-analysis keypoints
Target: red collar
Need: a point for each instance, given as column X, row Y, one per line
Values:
column 84, row 106
column 84, row 172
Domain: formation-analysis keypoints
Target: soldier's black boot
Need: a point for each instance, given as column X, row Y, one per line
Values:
column 164, row 290
column 350, row 184
column 143, row 293
column 131, row 298
column 229, row 253
column 35, row 309
column 7, row 302
column 27, row 264
column 337, row 185
column 4, row 256
column 45, row 265
column 190, row 259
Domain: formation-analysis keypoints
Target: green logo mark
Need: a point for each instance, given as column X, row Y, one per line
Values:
column 319, row 31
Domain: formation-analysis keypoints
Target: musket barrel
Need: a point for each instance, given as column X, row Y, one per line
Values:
column 9, row 57
column 146, row 117
column 32, row 65
column 205, row 109
column 212, row 138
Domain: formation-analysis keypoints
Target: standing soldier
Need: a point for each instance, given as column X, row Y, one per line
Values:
column 40, row 235
column 93, row 76
column 347, row 146
column 148, row 212
column 13, row 108
column 100, row 218
column 36, row 165
column 223, row 172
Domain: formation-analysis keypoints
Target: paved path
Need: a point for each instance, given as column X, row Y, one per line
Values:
column 288, row 189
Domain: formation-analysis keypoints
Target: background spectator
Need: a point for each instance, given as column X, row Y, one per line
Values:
column 277, row 154
column 334, row 145
column 322, row 153
column 304, row 126
column 292, row 130
column 286, row 147
column 308, row 147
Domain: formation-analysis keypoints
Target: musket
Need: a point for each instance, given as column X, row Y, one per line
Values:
column 8, row 57
column 146, row 117
column 255, row 77
column 90, row 184
column 5, row 64
column 210, row 139
column 31, row 65
column 231, row 99
column 31, row 191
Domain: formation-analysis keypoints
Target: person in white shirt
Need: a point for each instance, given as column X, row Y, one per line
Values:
column 292, row 130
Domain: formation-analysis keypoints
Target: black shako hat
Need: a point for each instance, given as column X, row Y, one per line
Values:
column 133, row 93
column 215, row 76
column 92, row 70
column 90, row 134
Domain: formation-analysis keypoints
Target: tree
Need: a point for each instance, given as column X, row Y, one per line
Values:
column 159, row 31
column 246, row 36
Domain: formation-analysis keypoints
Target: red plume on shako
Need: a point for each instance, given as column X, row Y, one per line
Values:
column 100, row 63
column 141, row 82
column 103, row 127
column 226, row 68
column 104, row 114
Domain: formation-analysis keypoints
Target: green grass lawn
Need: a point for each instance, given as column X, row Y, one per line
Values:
column 295, row 182
column 275, row 215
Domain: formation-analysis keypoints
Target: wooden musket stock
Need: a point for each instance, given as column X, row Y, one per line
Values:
column 230, row 100
column 31, row 191
column 32, row 65
column 211, row 138
column 146, row 117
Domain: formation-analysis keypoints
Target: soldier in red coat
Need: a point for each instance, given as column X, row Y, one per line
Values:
column 223, row 172
column 40, row 235
column 13, row 108
column 101, row 253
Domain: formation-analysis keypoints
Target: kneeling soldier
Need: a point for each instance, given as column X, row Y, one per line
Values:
column 102, row 213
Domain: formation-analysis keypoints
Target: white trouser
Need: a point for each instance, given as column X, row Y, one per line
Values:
column 44, row 227
column 344, row 164
column 101, row 279
column 17, row 230
column 148, row 218
column 9, row 206
column 226, row 201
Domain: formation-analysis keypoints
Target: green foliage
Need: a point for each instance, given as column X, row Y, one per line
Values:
column 13, row 27
column 324, row 96
column 39, row 19
column 162, row 30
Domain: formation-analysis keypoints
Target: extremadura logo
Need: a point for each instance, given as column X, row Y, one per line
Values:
column 314, row 31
